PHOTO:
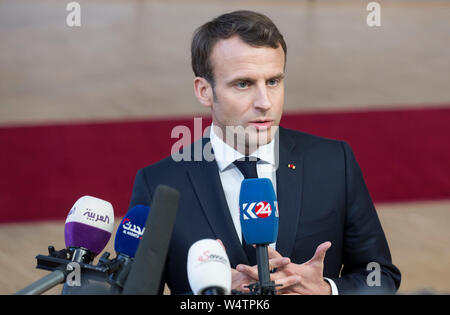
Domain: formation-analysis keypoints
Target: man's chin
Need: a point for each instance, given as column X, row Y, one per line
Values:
column 252, row 138
column 264, row 135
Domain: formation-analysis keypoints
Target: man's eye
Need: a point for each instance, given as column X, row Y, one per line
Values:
column 273, row 82
column 242, row 84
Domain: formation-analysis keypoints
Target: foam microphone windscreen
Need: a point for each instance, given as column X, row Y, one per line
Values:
column 89, row 224
column 146, row 272
column 208, row 267
column 130, row 230
column 258, row 208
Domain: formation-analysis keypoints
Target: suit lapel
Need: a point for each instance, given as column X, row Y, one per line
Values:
column 207, row 185
column 289, row 191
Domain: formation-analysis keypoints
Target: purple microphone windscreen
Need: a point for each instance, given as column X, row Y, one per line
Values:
column 89, row 224
column 130, row 230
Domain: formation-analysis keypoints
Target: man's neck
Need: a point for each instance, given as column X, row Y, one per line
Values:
column 226, row 153
column 237, row 142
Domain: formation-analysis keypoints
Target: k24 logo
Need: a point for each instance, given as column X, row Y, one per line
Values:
column 261, row 209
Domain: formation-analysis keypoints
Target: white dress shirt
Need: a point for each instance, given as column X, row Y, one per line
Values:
column 232, row 178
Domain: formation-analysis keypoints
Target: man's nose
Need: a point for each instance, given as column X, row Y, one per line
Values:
column 262, row 99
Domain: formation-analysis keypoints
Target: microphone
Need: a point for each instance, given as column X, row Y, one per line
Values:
column 130, row 230
column 259, row 222
column 88, row 228
column 87, row 231
column 128, row 235
column 146, row 273
column 208, row 268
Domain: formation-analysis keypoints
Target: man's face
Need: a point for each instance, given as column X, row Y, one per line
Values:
column 249, row 87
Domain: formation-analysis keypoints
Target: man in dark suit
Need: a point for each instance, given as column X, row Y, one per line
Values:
column 330, row 240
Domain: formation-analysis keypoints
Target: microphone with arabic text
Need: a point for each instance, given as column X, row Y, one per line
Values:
column 259, row 222
column 128, row 235
column 208, row 268
column 88, row 228
column 87, row 231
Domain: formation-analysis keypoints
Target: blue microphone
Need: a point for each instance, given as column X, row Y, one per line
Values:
column 129, row 234
column 130, row 230
column 259, row 222
column 258, row 211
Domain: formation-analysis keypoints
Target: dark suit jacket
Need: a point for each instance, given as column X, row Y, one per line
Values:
column 323, row 199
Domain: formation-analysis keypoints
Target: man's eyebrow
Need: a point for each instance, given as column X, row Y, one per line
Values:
column 240, row 79
column 279, row 76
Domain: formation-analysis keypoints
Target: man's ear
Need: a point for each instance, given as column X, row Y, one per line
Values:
column 203, row 91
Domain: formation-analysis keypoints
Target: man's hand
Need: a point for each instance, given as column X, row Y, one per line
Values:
column 306, row 278
column 241, row 278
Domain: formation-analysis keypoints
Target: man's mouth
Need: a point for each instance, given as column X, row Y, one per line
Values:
column 261, row 124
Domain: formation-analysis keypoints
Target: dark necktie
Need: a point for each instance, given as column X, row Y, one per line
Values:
column 248, row 169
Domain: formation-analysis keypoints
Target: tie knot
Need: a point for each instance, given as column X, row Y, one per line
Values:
column 247, row 166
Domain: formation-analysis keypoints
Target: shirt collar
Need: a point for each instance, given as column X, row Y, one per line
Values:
column 225, row 155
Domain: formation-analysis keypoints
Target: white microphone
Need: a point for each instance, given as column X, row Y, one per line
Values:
column 87, row 231
column 89, row 225
column 208, row 268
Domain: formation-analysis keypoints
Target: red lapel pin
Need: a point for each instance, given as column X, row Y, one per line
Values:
column 291, row 166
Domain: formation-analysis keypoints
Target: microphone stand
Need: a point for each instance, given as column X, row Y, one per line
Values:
column 264, row 286
column 45, row 283
column 118, row 268
column 57, row 262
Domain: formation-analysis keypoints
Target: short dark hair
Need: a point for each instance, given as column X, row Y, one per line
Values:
column 253, row 28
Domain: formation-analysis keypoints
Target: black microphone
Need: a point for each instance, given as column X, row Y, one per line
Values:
column 146, row 273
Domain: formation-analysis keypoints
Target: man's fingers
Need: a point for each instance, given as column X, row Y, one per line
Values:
column 273, row 253
column 274, row 263
column 288, row 282
column 251, row 272
column 278, row 262
column 275, row 259
column 243, row 288
column 321, row 250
